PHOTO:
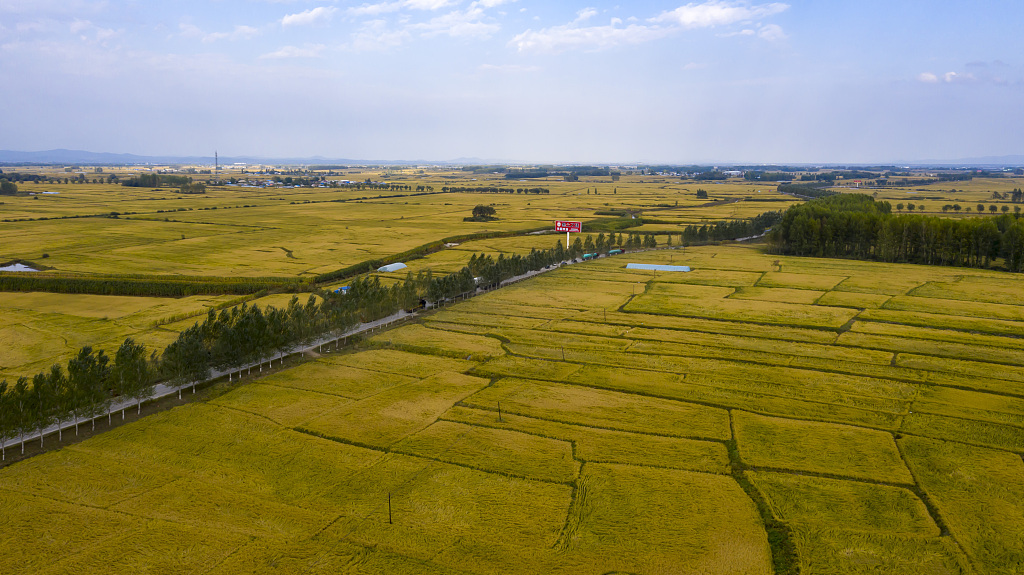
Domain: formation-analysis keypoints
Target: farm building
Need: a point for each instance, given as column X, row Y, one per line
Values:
column 658, row 267
column 391, row 267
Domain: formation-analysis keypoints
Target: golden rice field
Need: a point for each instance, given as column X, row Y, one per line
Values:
column 760, row 414
column 284, row 231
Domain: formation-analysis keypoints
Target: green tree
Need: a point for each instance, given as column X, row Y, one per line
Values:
column 87, row 375
column 21, row 409
column 6, row 419
column 62, row 393
column 482, row 211
column 186, row 360
column 44, row 403
column 8, row 188
column 131, row 375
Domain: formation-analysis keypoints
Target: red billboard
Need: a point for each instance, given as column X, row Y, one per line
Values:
column 575, row 227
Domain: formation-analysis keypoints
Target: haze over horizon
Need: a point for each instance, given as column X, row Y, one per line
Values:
column 650, row 81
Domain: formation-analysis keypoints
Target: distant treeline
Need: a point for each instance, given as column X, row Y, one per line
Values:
column 172, row 286
column 806, row 190
column 156, row 181
column 493, row 190
column 731, row 229
column 836, row 175
column 571, row 173
column 767, row 176
column 855, row 225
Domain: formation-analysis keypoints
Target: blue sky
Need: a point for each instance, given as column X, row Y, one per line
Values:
column 525, row 80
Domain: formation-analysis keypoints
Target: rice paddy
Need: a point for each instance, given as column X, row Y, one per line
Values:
column 759, row 415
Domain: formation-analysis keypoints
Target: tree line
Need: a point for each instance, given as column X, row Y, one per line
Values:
column 855, row 225
column 493, row 190
column 806, row 190
column 147, row 286
column 156, row 181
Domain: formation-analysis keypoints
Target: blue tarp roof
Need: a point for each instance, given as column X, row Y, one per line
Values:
column 658, row 267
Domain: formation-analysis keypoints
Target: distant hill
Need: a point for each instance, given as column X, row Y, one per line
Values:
column 982, row 161
column 63, row 156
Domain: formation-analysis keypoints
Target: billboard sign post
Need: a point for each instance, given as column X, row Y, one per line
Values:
column 567, row 227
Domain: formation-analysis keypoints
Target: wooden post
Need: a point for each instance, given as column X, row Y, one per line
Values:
column 499, row 411
column 389, row 508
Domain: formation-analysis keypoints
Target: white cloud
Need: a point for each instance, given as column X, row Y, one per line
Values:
column 376, row 36
column 79, row 26
column 709, row 14
column 375, row 9
column 53, row 8
column 927, row 78
column 310, row 16
column 189, row 30
column 397, row 5
column 716, row 13
column 308, row 51
column 744, row 32
column 771, row 32
column 950, row 77
column 84, row 27
column 493, row 3
column 508, row 68
column 427, row 4
column 239, row 33
column 586, row 14
column 458, row 23
column 558, row 38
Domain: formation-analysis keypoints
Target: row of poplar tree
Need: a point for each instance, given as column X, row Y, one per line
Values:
column 855, row 225
column 230, row 340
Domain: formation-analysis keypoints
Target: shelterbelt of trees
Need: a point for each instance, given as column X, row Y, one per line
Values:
column 857, row 226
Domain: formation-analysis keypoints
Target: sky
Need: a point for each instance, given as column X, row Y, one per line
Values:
column 720, row 81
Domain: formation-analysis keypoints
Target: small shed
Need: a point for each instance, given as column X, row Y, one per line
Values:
column 392, row 267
